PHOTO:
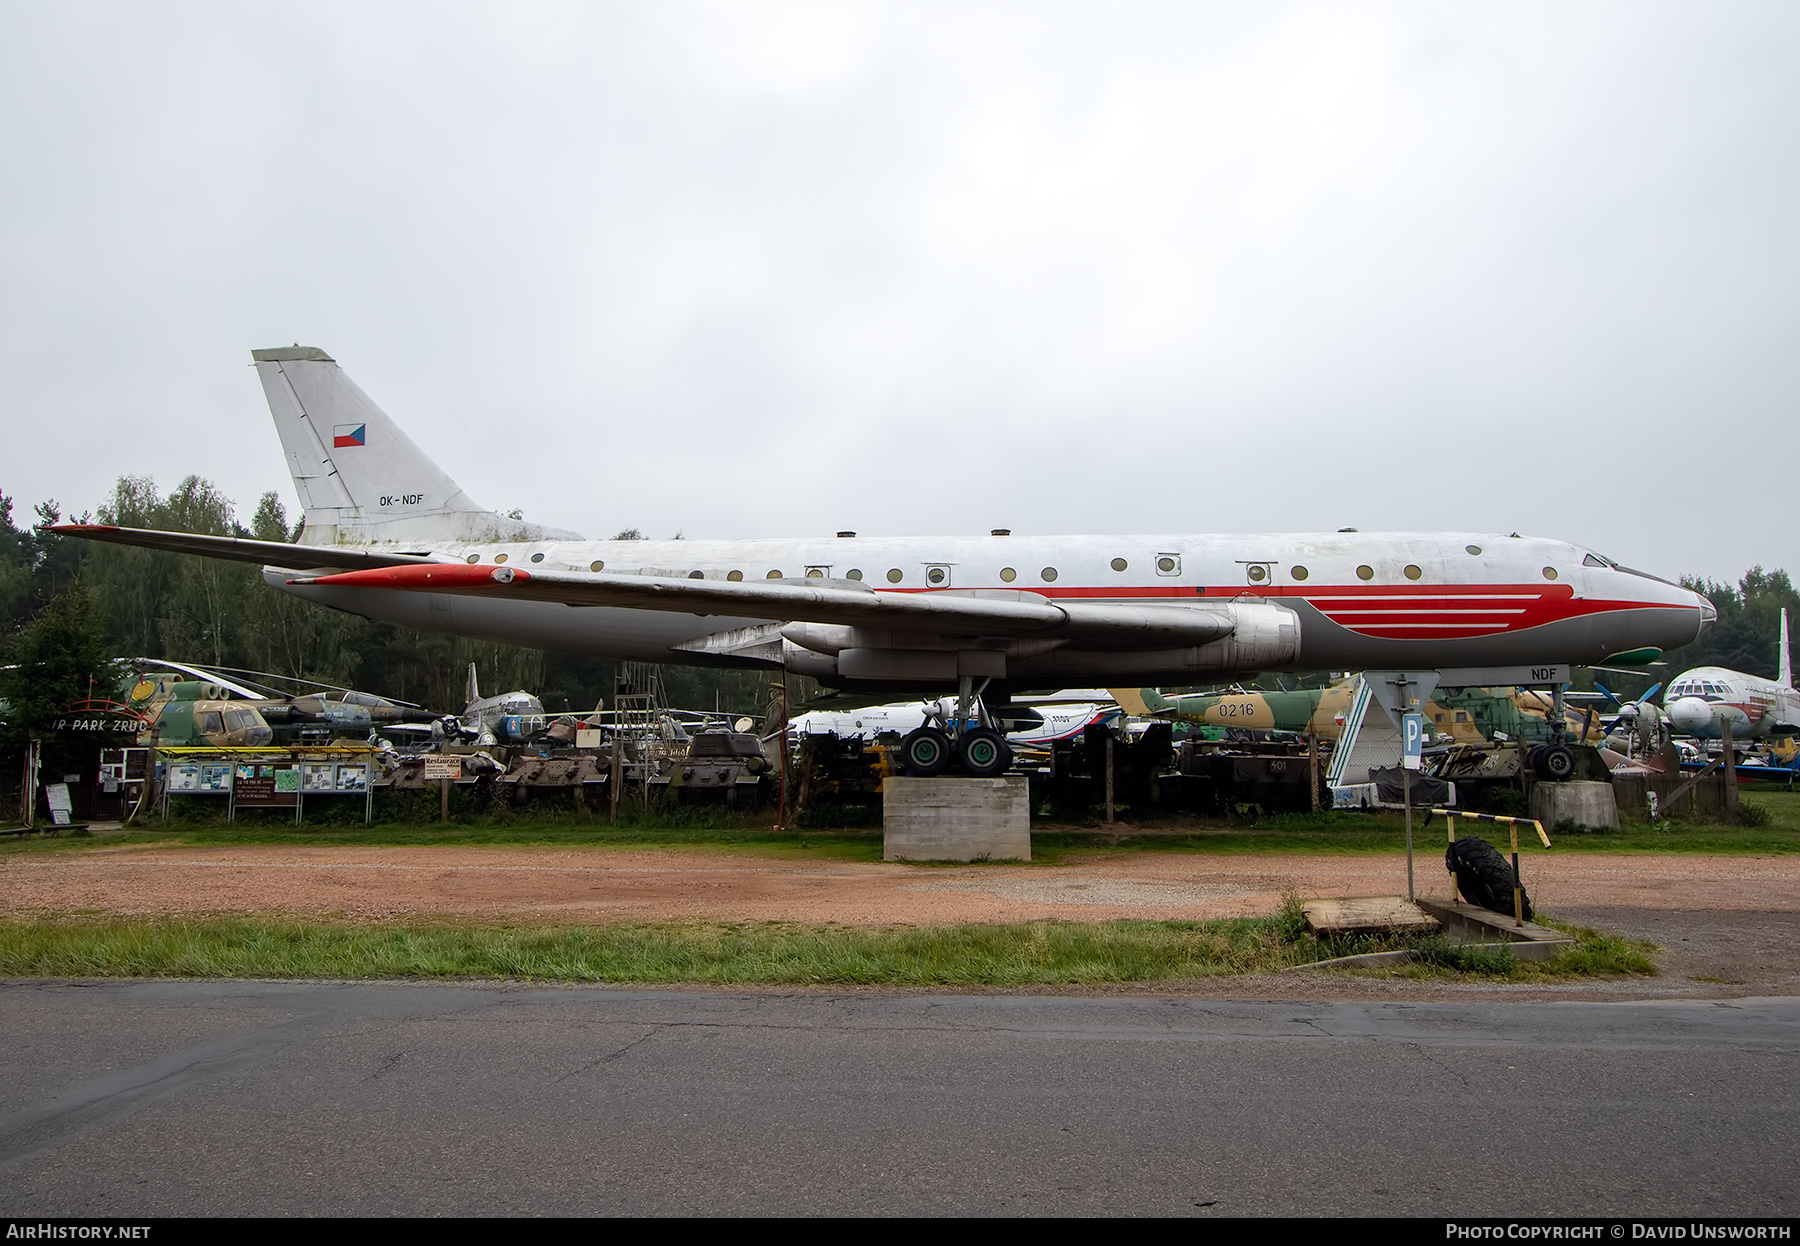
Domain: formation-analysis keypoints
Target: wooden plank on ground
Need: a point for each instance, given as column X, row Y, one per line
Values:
column 1367, row 915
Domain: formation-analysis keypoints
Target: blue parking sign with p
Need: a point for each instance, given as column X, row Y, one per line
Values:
column 1412, row 739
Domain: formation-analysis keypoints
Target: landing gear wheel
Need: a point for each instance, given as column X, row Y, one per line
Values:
column 984, row 753
column 925, row 753
column 1554, row 762
column 1483, row 876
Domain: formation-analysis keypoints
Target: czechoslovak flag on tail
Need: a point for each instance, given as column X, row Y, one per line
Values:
column 348, row 435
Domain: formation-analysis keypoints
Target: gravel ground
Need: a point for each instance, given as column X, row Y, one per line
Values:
column 1730, row 924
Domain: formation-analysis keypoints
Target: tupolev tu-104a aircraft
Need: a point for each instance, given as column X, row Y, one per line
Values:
column 389, row 535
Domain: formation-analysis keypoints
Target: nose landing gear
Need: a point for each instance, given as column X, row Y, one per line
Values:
column 1555, row 761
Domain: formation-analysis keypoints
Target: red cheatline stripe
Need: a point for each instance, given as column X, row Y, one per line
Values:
column 1493, row 602
column 1370, row 627
column 1427, row 609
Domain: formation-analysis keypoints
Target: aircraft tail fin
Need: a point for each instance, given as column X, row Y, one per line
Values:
column 1140, row 702
column 474, row 689
column 1787, row 663
column 361, row 480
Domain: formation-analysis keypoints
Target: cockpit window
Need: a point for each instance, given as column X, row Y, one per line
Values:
column 1594, row 560
column 1645, row 575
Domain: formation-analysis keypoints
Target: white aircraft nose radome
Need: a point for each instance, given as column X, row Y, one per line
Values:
column 1691, row 716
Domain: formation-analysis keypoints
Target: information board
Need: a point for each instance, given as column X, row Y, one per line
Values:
column 198, row 779
column 267, row 785
column 319, row 778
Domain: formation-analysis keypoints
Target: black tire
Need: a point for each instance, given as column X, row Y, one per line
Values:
column 1484, row 876
column 926, row 753
column 984, row 753
column 1555, row 762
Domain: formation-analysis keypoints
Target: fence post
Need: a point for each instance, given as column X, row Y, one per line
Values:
column 1731, row 792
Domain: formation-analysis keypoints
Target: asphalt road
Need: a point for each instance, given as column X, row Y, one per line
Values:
column 183, row 1098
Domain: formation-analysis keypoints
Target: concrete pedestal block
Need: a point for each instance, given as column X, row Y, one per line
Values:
column 1582, row 801
column 956, row 819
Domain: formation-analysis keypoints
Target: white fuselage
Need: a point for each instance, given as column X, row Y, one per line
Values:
column 1362, row 600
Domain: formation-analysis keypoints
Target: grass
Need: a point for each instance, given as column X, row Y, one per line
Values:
column 1044, row 953
column 847, row 845
column 1777, row 814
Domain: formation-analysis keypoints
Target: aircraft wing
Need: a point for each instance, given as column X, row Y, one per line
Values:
column 994, row 613
column 244, row 549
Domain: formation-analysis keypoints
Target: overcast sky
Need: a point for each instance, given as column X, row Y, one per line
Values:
column 771, row 269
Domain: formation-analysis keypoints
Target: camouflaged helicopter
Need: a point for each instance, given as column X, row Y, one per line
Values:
column 196, row 708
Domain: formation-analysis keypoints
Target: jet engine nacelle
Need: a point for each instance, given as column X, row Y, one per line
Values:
column 1262, row 637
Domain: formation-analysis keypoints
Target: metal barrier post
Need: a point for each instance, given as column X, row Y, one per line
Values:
column 1518, row 892
column 1450, row 824
column 1406, row 799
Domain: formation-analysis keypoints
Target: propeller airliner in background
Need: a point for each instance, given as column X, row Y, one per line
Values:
column 1699, row 700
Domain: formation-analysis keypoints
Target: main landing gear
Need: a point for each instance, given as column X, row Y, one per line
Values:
column 969, row 745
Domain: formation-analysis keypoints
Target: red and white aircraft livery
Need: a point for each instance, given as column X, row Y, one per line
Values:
column 1699, row 700
column 388, row 535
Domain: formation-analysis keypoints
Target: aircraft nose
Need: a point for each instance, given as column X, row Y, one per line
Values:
column 1690, row 715
column 1709, row 614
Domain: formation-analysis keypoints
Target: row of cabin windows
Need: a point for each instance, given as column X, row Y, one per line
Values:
column 933, row 575
column 1166, row 564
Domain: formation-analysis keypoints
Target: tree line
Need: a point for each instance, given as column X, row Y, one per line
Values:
column 208, row 612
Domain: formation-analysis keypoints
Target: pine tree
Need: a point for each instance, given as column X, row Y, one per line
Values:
column 59, row 661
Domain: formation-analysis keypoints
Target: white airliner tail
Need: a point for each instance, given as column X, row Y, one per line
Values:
column 361, row 480
column 1786, row 675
